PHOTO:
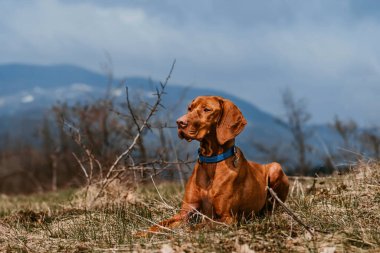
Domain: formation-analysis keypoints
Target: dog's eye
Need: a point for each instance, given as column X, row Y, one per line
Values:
column 207, row 110
column 189, row 109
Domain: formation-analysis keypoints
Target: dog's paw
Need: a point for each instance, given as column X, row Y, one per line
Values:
column 142, row 234
column 151, row 231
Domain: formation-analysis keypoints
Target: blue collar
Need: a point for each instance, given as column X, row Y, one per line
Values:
column 217, row 158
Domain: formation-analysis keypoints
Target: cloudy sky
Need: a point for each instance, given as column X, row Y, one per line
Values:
column 327, row 52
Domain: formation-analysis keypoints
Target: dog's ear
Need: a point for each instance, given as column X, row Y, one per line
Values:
column 231, row 122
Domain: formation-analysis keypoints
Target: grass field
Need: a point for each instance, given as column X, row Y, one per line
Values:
column 344, row 210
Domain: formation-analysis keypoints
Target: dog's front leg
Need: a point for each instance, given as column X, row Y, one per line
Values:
column 178, row 219
column 191, row 202
column 228, row 219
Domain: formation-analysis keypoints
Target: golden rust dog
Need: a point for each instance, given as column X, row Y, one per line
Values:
column 224, row 185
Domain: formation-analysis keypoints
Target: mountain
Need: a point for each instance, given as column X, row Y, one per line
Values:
column 20, row 77
column 30, row 87
column 28, row 91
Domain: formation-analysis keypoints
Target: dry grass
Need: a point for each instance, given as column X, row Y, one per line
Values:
column 344, row 210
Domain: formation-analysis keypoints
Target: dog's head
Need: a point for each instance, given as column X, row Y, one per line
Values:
column 208, row 115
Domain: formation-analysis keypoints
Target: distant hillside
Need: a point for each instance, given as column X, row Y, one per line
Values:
column 27, row 91
column 19, row 77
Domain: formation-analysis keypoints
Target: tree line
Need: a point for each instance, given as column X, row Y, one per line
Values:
column 86, row 137
column 355, row 142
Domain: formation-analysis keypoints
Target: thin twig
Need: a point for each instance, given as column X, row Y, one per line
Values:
column 156, row 173
column 352, row 152
column 152, row 222
column 205, row 216
column 290, row 212
column 76, row 136
column 180, row 173
column 159, row 194
column 208, row 218
column 129, row 106
column 162, row 162
column 81, row 166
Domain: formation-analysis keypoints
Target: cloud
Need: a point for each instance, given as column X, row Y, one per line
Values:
column 27, row 99
column 81, row 87
column 326, row 51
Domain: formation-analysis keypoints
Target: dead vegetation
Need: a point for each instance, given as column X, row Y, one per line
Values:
column 343, row 211
column 339, row 213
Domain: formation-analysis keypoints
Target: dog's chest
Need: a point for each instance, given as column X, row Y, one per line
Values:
column 204, row 177
column 213, row 182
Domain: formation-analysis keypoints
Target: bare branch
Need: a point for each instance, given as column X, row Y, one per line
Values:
column 161, row 162
column 159, row 194
column 290, row 212
column 110, row 177
column 134, row 118
column 81, row 166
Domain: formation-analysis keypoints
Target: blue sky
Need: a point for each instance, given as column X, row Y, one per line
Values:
column 327, row 52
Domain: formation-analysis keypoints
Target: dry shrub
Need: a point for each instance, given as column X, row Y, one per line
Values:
column 343, row 209
column 117, row 192
column 346, row 207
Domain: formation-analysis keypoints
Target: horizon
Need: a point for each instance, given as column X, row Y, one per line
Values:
column 325, row 52
column 117, row 79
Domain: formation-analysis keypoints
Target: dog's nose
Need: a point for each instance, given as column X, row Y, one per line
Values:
column 182, row 122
